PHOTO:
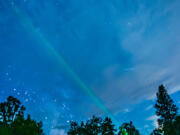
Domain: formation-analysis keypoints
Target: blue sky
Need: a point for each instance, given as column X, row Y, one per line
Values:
column 121, row 49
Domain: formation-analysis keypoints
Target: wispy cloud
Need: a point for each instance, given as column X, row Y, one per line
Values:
column 126, row 110
column 58, row 132
column 146, row 126
column 149, row 107
column 151, row 37
column 154, row 119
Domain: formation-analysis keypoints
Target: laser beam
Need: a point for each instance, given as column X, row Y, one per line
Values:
column 28, row 25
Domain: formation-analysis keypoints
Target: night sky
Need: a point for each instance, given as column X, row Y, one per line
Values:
column 71, row 59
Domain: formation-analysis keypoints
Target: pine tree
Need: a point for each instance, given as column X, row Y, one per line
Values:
column 107, row 127
column 165, row 107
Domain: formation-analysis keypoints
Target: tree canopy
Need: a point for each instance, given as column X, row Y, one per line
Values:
column 98, row 126
column 128, row 129
column 93, row 126
column 13, row 121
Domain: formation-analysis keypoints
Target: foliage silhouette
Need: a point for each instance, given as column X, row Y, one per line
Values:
column 129, row 129
column 98, row 126
column 172, row 128
column 107, row 127
column 91, row 127
column 165, row 107
column 156, row 132
column 166, row 110
column 13, row 122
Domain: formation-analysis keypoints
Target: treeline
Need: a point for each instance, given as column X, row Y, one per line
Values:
column 13, row 121
column 99, row 126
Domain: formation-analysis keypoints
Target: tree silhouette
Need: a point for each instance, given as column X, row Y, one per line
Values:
column 13, row 122
column 21, row 126
column 122, row 131
column 98, row 126
column 128, row 128
column 93, row 126
column 156, row 132
column 107, row 127
column 165, row 107
column 75, row 129
column 176, row 126
column 10, row 110
column 172, row 128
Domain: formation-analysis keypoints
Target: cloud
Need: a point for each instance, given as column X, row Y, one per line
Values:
column 154, row 119
column 58, row 132
column 152, row 40
column 149, row 107
column 146, row 126
column 174, row 89
column 126, row 110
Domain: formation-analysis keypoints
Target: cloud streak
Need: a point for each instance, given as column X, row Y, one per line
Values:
column 154, row 119
column 58, row 132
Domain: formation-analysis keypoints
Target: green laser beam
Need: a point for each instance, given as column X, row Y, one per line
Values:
column 27, row 23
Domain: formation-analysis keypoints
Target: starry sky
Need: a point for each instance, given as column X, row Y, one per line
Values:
column 71, row 59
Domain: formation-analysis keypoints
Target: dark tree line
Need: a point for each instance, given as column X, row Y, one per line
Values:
column 94, row 126
column 99, row 126
column 13, row 122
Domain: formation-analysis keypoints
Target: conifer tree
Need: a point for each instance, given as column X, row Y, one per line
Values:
column 107, row 127
column 165, row 107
